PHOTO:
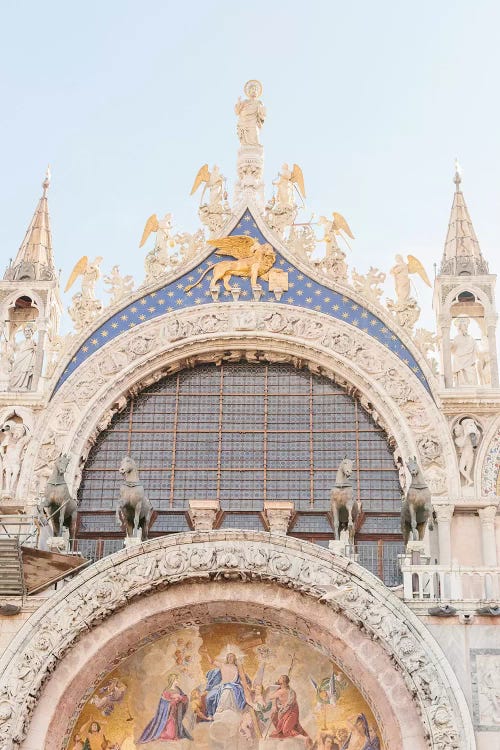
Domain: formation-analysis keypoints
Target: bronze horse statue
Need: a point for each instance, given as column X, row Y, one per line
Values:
column 345, row 507
column 62, row 507
column 416, row 510
column 135, row 510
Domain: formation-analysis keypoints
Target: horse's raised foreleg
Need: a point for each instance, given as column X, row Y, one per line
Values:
column 137, row 517
column 413, row 522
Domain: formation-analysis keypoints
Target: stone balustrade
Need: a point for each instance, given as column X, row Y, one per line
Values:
column 450, row 583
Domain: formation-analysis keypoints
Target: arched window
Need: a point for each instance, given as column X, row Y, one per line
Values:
column 243, row 433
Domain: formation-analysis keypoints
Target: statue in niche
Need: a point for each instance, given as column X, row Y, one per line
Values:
column 12, row 449
column 251, row 114
column 23, row 362
column 467, row 436
column 465, row 354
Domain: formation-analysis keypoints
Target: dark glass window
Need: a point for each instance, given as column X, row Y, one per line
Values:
column 244, row 433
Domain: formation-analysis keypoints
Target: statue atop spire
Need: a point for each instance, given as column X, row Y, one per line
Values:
column 34, row 260
column 251, row 115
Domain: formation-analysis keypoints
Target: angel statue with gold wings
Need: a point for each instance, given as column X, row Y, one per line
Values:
column 215, row 212
column 401, row 272
column 85, row 307
column 253, row 261
column 288, row 181
column 159, row 259
column 337, row 227
column 90, row 273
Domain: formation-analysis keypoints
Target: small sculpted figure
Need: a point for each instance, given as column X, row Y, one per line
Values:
column 23, row 364
column 465, row 354
column 251, row 114
column 416, row 509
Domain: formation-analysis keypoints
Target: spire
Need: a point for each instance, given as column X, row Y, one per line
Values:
column 462, row 254
column 34, row 259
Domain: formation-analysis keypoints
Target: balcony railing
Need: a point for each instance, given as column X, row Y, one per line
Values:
column 451, row 584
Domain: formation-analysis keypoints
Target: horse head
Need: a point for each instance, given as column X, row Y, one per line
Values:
column 61, row 463
column 347, row 465
column 127, row 465
column 413, row 467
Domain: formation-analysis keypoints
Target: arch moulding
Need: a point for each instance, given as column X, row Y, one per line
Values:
column 306, row 590
column 386, row 387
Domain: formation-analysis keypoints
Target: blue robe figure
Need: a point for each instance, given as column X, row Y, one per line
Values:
column 372, row 743
column 215, row 688
column 167, row 723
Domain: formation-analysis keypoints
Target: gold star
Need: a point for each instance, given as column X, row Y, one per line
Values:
column 151, row 309
column 123, row 317
column 248, row 218
column 179, row 301
column 308, row 300
column 300, row 276
column 317, row 291
column 354, row 307
column 133, row 309
column 244, row 293
column 226, row 293
column 190, row 293
column 326, row 299
column 180, row 286
column 131, row 325
column 345, row 315
column 94, row 342
column 153, row 294
column 393, row 337
column 143, row 301
column 299, row 292
column 406, row 361
column 345, row 299
column 383, row 329
column 142, row 317
column 161, row 301
column 282, row 262
column 291, row 284
column 247, row 232
column 170, row 309
column 318, row 308
column 355, row 322
column 290, row 300
column 365, row 330
column 364, row 314
column 114, row 325
column 290, row 269
column 85, row 348
column 197, row 301
column 308, row 284
column 414, row 368
column 190, row 278
column 373, row 322
column 335, row 307
column 171, row 294
column 104, row 334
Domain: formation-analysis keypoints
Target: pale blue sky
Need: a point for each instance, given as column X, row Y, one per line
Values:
column 127, row 99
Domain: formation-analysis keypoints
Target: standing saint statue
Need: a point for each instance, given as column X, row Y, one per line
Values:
column 465, row 355
column 251, row 114
column 23, row 365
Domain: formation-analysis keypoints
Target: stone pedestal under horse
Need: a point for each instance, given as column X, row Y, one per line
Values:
column 135, row 510
column 62, row 507
column 345, row 508
column 416, row 509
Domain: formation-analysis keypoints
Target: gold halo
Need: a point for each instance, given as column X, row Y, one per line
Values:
column 251, row 83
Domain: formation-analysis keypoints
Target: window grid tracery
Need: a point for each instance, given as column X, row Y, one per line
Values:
column 244, row 433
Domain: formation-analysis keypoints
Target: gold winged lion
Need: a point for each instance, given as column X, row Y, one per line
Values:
column 253, row 260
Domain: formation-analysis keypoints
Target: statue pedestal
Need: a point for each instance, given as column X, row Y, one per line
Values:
column 132, row 541
column 203, row 514
column 59, row 544
column 415, row 554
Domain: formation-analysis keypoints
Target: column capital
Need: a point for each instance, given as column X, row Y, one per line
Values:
column 203, row 514
column 278, row 514
column 488, row 513
column 443, row 510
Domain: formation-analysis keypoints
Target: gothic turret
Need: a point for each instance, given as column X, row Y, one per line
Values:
column 30, row 306
column 34, row 260
column 464, row 302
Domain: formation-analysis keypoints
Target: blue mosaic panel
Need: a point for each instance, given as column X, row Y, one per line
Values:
column 303, row 292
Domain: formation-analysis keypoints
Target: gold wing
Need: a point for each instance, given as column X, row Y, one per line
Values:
column 77, row 271
column 415, row 266
column 298, row 178
column 202, row 176
column 151, row 226
column 238, row 245
column 341, row 224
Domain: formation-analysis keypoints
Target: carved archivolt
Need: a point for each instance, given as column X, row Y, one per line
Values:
column 386, row 387
column 340, row 584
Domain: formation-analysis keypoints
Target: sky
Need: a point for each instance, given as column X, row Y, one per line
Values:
column 126, row 100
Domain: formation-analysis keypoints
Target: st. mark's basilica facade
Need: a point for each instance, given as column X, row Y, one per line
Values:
column 249, row 503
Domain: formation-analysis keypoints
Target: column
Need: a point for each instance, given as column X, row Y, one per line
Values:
column 487, row 518
column 203, row 514
column 278, row 515
column 492, row 346
column 444, row 327
column 444, row 514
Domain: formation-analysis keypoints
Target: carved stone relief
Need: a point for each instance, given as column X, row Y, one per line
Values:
column 340, row 584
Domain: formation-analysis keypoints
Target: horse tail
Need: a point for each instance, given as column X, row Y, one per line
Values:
column 191, row 286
